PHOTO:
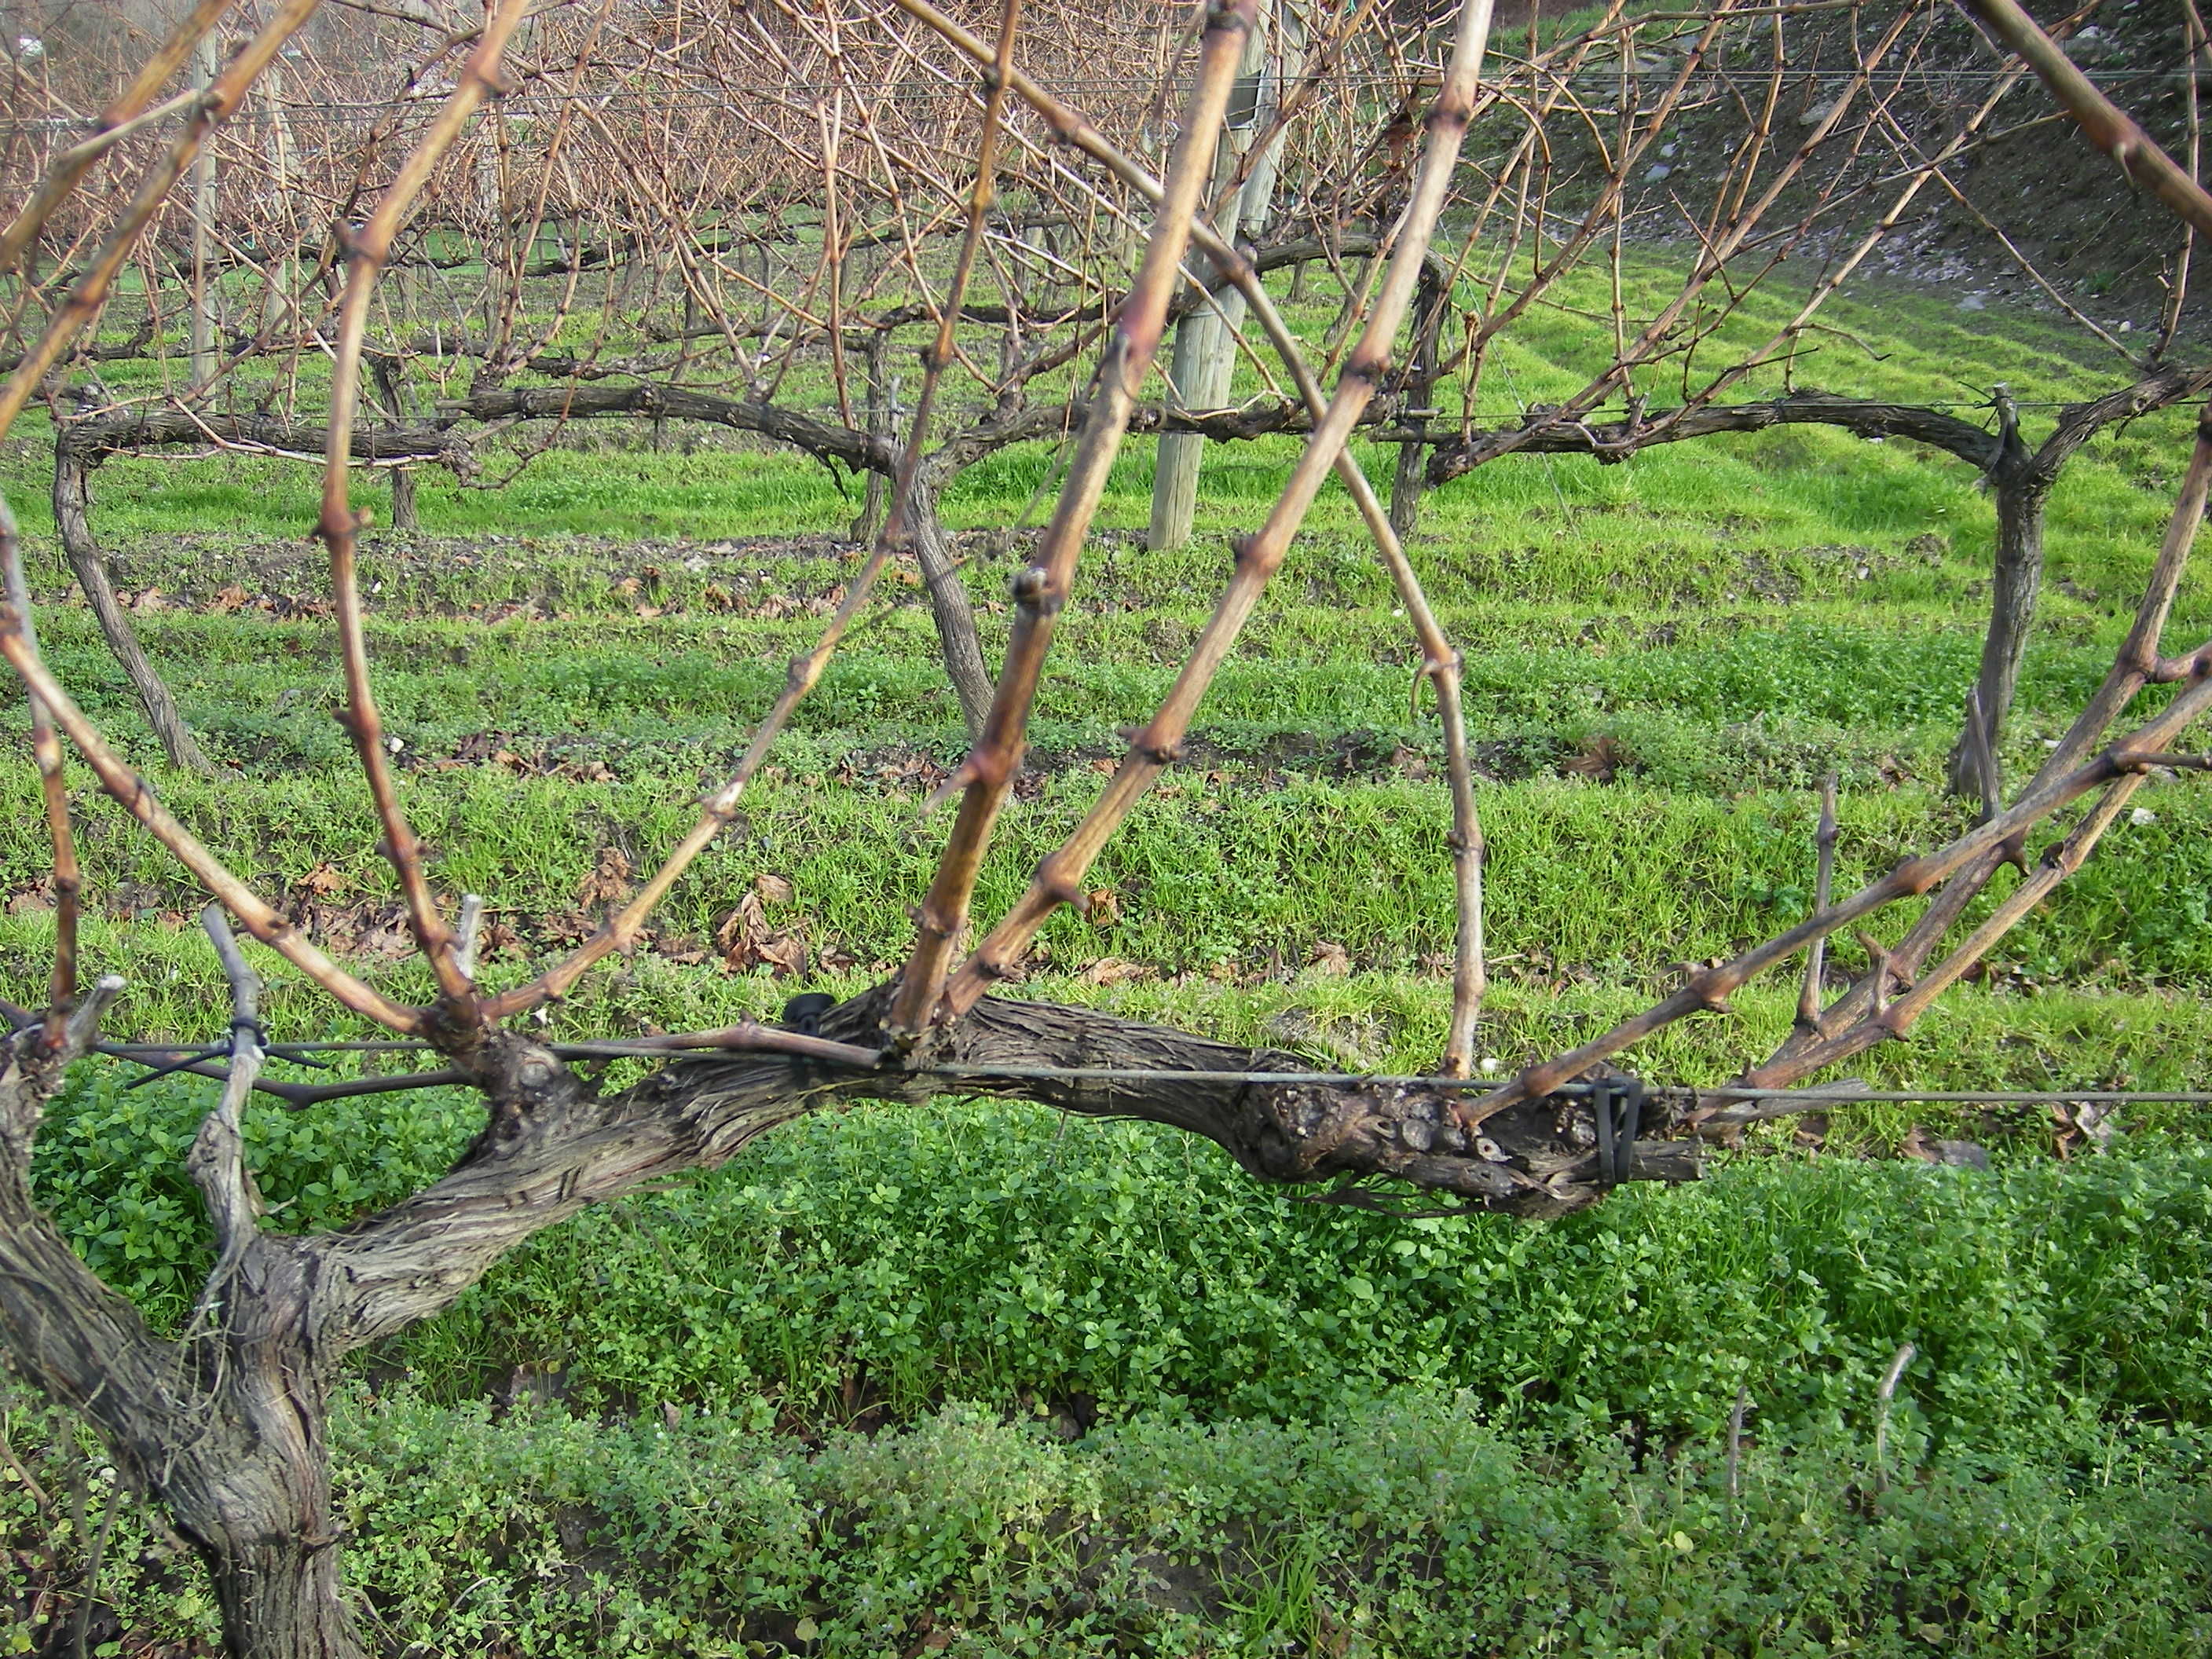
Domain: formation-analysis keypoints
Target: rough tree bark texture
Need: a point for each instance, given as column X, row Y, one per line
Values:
column 404, row 514
column 1419, row 386
column 2021, row 483
column 72, row 498
column 253, row 1489
column 882, row 422
column 948, row 604
column 225, row 1425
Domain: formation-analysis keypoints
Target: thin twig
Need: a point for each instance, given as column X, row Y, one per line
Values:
column 2107, row 126
column 340, row 526
column 1441, row 661
column 1885, row 1396
column 2147, row 761
column 93, row 1562
column 1042, row 589
column 801, row 674
column 124, row 115
column 1824, row 844
column 105, row 140
column 32, row 1489
column 1736, row 1447
column 1708, row 989
column 137, row 797
column 1886, row 1019
column 1059, row 876
column 2176, row 294
column 2135, row 664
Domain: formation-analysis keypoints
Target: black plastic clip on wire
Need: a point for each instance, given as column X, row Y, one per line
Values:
column 1617, row 1104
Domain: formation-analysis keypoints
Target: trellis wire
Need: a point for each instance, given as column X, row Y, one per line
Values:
column 1833, row 1094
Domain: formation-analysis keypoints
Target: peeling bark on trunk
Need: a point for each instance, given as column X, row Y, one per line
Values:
column 948, row 604
column 255, row 1495
column 72, row 496
column 281, row 1601
column 1408, row 483
column 552, row 1148
column 2017, row 578
column 252, row 1490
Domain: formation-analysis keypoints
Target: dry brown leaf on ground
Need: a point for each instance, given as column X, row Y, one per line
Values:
column 1600, row 759
column 608, row 882
column 387, row 934
column 785, row 953
column 747, row 940
column 1113, row 970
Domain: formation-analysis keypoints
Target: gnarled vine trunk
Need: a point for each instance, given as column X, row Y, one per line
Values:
column 224, row 1424
column 254, row 1492
column 222, row 1427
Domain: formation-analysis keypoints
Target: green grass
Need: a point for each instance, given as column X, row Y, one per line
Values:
column 1615, row 885
column 1714, row 626
column 992, row 1252
column 110, row 1156
column 1409, row 1526
column 1310, row 1424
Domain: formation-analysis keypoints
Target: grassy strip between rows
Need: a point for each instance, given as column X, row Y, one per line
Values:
column 1905, row 346
column 1508, row 1436
column 1736, row 701
column 1402, row 1527
column 1616, row 884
